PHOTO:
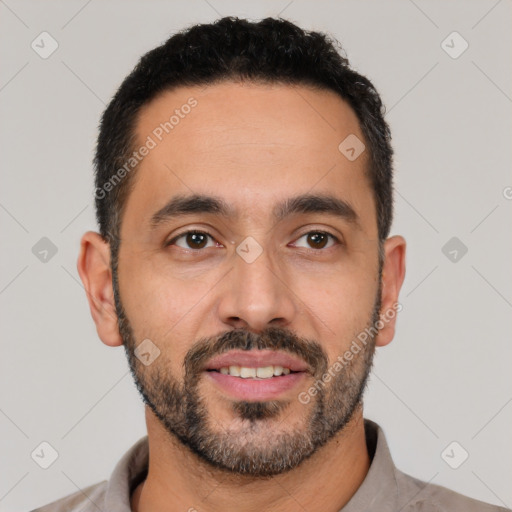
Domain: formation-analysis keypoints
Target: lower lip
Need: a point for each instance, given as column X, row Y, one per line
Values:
column 256, row 389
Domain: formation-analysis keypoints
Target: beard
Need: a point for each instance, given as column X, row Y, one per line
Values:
column 259, row 443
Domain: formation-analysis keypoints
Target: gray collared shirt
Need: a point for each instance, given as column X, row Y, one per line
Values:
column 384, row 489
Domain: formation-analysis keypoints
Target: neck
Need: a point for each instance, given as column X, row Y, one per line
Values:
column 178, row 480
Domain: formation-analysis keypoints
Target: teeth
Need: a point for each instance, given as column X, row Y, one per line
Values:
column 263, row 372
column 235, row 371
column 245, row 372
column 278, row 370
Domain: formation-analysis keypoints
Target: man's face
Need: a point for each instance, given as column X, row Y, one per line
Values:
column 257, row 287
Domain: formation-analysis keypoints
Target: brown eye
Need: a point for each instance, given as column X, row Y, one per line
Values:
column 317, row 240
column 196, row 240
column 192, row 240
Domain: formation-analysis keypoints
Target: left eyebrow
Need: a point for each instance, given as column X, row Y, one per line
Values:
column 318, row 203
column 182, row 205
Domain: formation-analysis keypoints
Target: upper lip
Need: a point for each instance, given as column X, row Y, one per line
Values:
column 257, row 359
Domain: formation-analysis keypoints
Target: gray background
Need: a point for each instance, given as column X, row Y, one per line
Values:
column 446, row 377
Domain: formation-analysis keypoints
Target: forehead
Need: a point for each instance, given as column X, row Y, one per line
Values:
column 250, row 114
column 251, row 144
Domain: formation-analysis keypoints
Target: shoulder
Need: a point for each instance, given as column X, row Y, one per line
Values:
column 420, row 496
column 89, row 499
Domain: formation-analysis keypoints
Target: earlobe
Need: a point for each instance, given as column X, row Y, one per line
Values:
column 393, row 274
column 94, row 269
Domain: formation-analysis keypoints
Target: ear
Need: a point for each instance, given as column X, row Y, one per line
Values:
column 94, row 268
column 393, row 274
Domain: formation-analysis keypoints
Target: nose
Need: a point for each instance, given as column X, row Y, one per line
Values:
column 255, row 295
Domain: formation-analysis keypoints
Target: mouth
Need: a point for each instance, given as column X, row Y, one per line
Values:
column 261, row 372
column 256, row 375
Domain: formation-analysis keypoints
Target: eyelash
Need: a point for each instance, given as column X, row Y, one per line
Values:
column 197, row 232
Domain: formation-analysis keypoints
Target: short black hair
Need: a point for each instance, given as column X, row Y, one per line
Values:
column 273, row 50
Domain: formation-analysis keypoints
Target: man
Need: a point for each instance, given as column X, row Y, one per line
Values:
column 244, row 197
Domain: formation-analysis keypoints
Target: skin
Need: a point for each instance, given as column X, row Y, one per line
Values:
column 253, row 145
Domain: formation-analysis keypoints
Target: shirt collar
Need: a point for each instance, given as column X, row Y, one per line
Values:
column 129, row 471
column 379, row 490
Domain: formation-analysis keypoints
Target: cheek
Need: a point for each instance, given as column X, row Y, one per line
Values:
column 153, row 292
column 341, row 306
column 164, row 307
column 347, row 290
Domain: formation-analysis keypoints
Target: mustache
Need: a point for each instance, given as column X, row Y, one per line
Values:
column 272, row 338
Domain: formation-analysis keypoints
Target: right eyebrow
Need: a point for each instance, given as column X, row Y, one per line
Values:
column 187, row 205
